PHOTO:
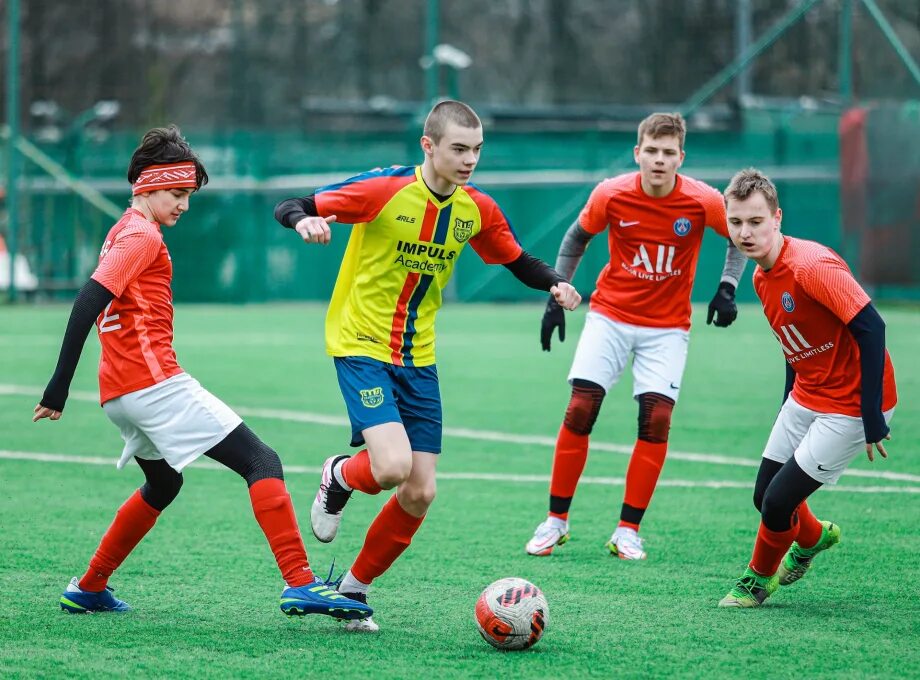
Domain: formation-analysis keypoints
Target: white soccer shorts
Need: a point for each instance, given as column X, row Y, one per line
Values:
column 176, row 420
column 659, row 355
column 823, row 443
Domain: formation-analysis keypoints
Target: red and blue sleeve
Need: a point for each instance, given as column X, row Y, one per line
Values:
column 362, row 197
column 496, row 242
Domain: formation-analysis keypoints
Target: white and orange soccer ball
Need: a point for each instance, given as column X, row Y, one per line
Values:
column 512, row 613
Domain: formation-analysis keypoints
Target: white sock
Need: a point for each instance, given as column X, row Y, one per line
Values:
column 352, row 585
column 337, row 473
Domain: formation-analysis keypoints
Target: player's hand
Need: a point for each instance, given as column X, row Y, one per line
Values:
column 315, row 229
column 45, row 412
column 553, row 318
column 565, row 295
column 723, row 306
column 879, row 446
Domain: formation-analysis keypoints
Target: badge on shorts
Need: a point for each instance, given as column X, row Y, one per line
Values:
column 682, row 226
column 372, row 398
column 788, row 302
column 462, row 230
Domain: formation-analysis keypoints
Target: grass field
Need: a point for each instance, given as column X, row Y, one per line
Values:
column 205, row 589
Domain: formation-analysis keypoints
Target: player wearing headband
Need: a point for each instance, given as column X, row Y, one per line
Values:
column 166, row 418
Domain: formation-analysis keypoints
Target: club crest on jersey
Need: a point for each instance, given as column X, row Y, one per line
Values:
column 462, row 230
column 682, row 226
column 372, row 398
column 788, row 302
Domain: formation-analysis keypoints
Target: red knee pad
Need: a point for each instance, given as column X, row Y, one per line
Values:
column 583, row 408
column 655, row 417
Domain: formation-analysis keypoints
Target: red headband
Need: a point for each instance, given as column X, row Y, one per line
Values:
column 169, row 176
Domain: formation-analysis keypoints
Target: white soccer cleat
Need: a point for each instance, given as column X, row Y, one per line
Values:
column 550, row 533
column 626, row 544
column 362, row 626
column 326, row 512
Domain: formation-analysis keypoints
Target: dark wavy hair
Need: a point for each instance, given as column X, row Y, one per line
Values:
column 165, row 145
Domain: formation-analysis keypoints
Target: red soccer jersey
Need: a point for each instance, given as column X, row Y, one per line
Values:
column 654, row 247
column 136, row 328
column 809, row 296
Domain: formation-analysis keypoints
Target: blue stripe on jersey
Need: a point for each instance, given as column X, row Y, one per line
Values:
column 440, row 235
column 420, row 290
column 398, row 171
column 510, row 226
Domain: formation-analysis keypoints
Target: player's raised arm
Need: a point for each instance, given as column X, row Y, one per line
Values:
column 89, row 304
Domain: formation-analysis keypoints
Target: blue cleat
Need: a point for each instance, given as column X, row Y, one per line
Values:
column 320, row 597
column 78, row 601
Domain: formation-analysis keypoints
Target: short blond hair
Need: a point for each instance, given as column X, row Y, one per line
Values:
column 749, row 181
column 663, row 125
column 449, row 111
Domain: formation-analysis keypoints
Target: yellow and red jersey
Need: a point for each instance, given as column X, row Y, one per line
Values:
column 654, row 247
column 809, row 296
column 400, row 256
column 136, row 328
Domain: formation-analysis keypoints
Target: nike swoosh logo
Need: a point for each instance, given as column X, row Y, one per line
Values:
column 822, row 469
column 628, row 224
column 675, row 387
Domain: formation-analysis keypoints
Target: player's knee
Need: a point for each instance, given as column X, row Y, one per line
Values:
column 584, row 406
column 392, row 471
column 158, row 493
column 654, row 417
column 758, row 499
column 776, row 510
column 418, row 497
column 264, row 464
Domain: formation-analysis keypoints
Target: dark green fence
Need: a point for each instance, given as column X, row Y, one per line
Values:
column 229, row 248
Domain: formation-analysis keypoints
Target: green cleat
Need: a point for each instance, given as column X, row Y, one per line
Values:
column 798, row 560
column 750, row 590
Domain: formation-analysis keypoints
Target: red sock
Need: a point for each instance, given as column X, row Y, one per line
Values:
column 642, row 476
column 132, row 522
column 568, row 464
column 809, row 527
column 389, row 535
column 770, row 548
column 357, row 473
column 271, row 504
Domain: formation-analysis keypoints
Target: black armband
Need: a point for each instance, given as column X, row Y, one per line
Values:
column 533, row 272
column 290, row 211
column 88, row 305
column 868, row 329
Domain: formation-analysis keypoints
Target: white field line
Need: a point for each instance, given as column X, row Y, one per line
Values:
column 476, row 435
column 460, row 476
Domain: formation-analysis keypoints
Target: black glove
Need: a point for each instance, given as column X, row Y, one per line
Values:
column 723, row 302
column 553, row 318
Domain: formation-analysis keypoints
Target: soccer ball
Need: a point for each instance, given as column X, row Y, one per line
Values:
column 512, row 613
